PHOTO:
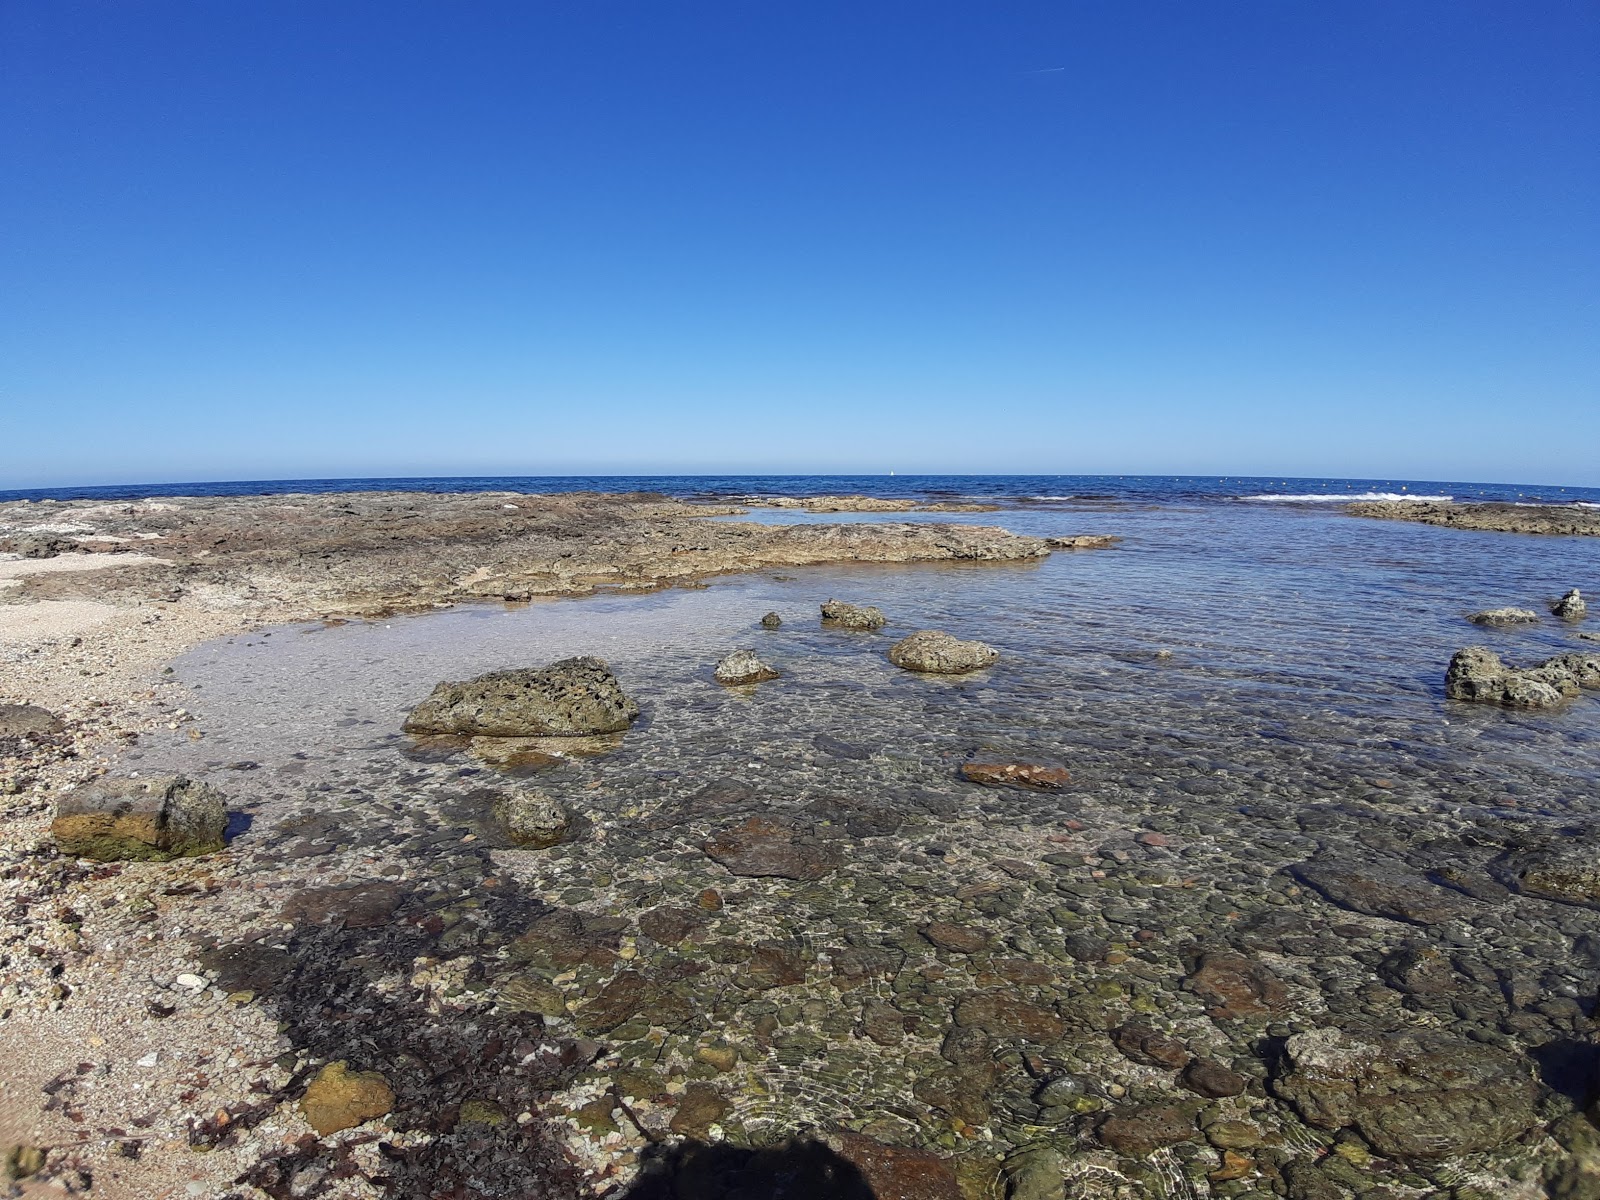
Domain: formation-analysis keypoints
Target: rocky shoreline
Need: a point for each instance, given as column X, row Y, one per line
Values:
column 1566, row 520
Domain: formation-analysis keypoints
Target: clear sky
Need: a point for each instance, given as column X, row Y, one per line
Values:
column 298, row 238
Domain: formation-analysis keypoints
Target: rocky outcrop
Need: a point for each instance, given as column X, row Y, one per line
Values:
column 1083, row 541
column 572, row 698
column 853, row 616
column 1570, row 607
column 1412, row 1096
column 1500, row 618
column 742, row 666
column 160, row 817
column 1561, row 519
column 533, row 819
column 1477, row 674
column 936, row 653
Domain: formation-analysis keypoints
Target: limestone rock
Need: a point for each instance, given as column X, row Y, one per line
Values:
column 742, row 666
column 18, row 720
column 158, row 817
column 1413, row 1095
column 1083, row 541
column 572, row 698
column 339, row 1098
column 853, row 616
column 937, row 653
column 771, row 621
column 1477, row 674
column 1499, row 618
column 1570, row 607
column 533, row 818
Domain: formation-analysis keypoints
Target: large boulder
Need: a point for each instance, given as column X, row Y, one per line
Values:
column 1571, row 606
column 1500, row 618
column 1477, row 674
column 1414, row 1095
column 853, row 616
column 575, row 697
column 742, row 666
column 937, row 653
column 158, row 817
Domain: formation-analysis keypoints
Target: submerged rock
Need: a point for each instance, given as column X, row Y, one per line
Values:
column 1567, row 871
column 571, row 698
column 762, row 847
column 1477, row 674
column 533, row 819
column 17, row 720
column 937, row 653
column 1021, row 775
column 1380, row 892
column 1571, row 606
column 1410, row 1095
column 853, row 616
column 742, row 666
column 339, row 1098
column 157, row 818
column 1500, row 618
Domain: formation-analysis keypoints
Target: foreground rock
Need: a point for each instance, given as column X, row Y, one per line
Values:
column 742, row 666
column 1570, row 607
column 761, row 847
column 771, row 621
column 1019, row 775
column 853, row 616
column 1412, row 1096
column 1477, row 674
column 1379, row 892
column 1500, row 618
column 162, row 817
column 19, row 720
column 534, row 819
column 937, row 653
column 1564, row 519
column 575, row 697
column 339, row 1098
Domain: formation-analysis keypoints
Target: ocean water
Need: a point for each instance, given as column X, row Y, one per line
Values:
column 1238, row 687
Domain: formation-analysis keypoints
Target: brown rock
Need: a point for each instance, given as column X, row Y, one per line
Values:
column 962, row 1092
column 701, row 1107
column 883, row 1023
column 773, row 964
column 339, row 1098
column 1381, row 892
column 355, row 906
column 670, row 925
column 620, row 999
column 956, row 938
column 1021, row 775
column 1145, row 1130
column 765, row 848
column 158, row 817
column 565, row 938
column 1236, row 987
column 1145, row 1045
column 898, row 1172
column 1208, row 1077
column 1000, row 1014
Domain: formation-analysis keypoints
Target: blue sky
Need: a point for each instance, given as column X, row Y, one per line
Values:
column 384, row 237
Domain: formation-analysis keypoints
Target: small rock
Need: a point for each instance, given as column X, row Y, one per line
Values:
column 192, row 982
column 742, row 666
column 157, row 818
column 955, row 938
column 1208, row 1077
column 1037, row 1173
column 1023, row 775
column 853, row 616
column 18, row 720
column 771, row 621
column 339, row 1098
column 718, row 1057
column 701, row 1107
column 1502, row 617
column 1235, row 987
column 23, row 1162
column 575, row 697
column 533, row 818
column 1154, row 1049
column 1083, row 541
column 936, row 653
column 1570, row 607
column 1145, row 1130
column 765, row 848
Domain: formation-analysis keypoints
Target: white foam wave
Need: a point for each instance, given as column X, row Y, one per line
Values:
column 1346, row 497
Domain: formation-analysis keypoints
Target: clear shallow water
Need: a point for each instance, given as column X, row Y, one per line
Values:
column 1298, row 714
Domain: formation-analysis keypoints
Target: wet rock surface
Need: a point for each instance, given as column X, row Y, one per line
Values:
column 933, row 652
column 853, row 616
column 162, row 817
column 1571, row 606
column 1478, row 674
column 743, row 666
column 575, row 697
column 1504, row 618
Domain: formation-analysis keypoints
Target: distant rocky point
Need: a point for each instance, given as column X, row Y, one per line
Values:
column 1564, row 519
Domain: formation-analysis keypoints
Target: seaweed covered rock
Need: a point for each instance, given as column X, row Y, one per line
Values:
column 1412, row 1095
column 575, row 697
column 158, row 817
column 853, row 616
column 936, row 653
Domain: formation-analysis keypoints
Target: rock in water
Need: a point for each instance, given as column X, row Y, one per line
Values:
column 853, row 616
column 771, row 621
column 533, row 818
column 161, row 817
column 1022, row 775
column 1410, row 1095
column 339, row 1098
column 1499, row 618
column 938, row 653
column 1570, row 607
column 575, row 697
column 742, row 666
column 17, row 720
column 1566, row 870
column 1477, row 673
column 761, row 847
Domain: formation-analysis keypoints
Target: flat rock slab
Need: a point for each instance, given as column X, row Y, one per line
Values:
column 1020, row 775
column 1412, row 1096
column 761, row 847
column 1237, row 987
column 575, row 697
column 1565, row 871
column 159, row 817
column 1380, row 892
